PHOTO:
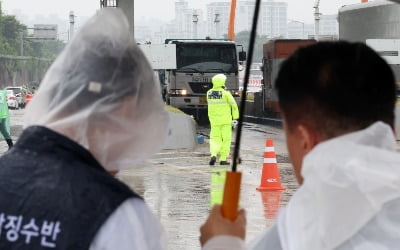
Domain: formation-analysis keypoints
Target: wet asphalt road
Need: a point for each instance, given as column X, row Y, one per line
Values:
column 180, row 187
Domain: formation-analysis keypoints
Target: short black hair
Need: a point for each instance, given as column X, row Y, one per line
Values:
column 336, row 87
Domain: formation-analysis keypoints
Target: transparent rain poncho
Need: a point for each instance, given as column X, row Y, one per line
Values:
column 101, row 93
column 350, row 196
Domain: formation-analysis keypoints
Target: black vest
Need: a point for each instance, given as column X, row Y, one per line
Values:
column 54, row 194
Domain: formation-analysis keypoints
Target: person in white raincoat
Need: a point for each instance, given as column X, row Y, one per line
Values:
column 97, row 111
column 338, row 102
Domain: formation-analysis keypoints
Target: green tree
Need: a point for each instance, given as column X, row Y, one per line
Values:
column 10, row 32
column 10, row 42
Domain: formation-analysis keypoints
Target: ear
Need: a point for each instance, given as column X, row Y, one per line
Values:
column 309, row 137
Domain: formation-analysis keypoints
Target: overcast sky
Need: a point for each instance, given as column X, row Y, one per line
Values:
column 300, row 10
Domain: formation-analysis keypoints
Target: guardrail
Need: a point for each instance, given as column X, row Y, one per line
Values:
column 25, row 58
column 264, row 121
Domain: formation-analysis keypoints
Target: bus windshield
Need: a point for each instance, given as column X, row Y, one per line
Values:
column 206, row 58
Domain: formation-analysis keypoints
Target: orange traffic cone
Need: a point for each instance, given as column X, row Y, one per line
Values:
column 270, row 179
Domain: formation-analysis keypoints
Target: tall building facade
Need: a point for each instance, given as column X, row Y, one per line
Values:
column 329, row 26
column 272, row 19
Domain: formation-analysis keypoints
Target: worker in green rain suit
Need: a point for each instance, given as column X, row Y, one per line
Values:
column 4, row 119
column 222, row 113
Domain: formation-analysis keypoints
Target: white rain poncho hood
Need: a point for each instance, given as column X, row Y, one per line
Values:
column 101, row 93
column 349, row 182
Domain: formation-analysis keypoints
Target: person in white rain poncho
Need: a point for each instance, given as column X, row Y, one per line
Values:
column 338, row 101
column 97, row 111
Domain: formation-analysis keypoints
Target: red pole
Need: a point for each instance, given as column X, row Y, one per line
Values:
column 231, row 28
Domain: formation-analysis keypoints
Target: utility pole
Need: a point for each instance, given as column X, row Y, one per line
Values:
column 22, row 43
column 195, row 19
column 71, row 25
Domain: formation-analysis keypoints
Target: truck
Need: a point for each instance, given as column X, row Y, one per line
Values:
column 197, row 61
column 274, row 53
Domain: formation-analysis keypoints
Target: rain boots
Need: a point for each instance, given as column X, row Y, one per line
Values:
column 222, row 163
column 213, row 160
column 9, row 143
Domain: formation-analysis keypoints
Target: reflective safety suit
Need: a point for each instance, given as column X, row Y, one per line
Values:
column 4, row 117
column 222, row 109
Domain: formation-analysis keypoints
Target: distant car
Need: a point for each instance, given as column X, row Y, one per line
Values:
column 12, row 101
column 29, row 97
column 20, row 93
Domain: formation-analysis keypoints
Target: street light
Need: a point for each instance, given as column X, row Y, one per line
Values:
column 294, row 21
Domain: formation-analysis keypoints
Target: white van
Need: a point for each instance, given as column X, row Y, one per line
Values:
column 20, row 93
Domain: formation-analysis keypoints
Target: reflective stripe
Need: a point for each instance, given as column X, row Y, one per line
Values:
column 217, row 103
column 270, row 160
column 269, row 149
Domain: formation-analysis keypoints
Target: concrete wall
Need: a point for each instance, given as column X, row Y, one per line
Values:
column 182, row 132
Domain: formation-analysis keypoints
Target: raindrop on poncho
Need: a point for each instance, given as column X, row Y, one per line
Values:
column 101, row 93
